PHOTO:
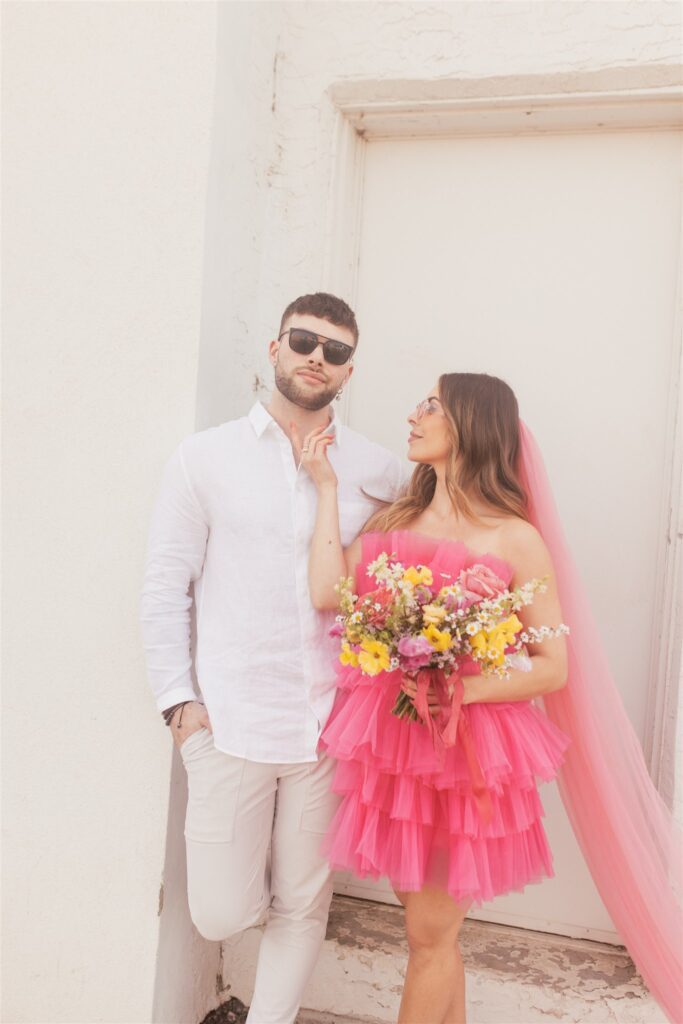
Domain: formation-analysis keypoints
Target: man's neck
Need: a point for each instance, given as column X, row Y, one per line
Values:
column 285, row 412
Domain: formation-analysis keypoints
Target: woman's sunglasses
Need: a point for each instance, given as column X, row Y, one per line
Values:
column 305, row 342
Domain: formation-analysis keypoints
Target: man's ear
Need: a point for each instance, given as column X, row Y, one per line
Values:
column 273, row 349
column 348, row 375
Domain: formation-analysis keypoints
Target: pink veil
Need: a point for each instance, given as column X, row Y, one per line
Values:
column 630, row 842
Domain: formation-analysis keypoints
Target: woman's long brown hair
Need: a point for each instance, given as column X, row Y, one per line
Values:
column 483, row 422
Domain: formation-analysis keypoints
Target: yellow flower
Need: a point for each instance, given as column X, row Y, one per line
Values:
column 499, row 658
column 423, row 575
column 495, row 640
column 348, row 656
column 505, row 631
column 374, row 657
column 483, row 644
column 440, row 640
column 433, row 614
column 479, row 642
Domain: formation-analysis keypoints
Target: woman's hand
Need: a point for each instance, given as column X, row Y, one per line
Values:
column 312, row 455
column 467, row 696
column 409, row 686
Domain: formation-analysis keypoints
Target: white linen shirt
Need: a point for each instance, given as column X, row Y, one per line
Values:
column 235, row 516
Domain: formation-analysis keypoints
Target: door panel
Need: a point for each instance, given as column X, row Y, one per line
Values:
column 550, row 261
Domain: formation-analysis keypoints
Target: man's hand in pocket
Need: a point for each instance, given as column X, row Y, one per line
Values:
column 194, row 716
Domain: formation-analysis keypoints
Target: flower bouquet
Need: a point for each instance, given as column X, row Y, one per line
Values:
column 420, row 625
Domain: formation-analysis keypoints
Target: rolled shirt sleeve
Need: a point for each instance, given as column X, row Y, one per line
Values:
column 175, row 558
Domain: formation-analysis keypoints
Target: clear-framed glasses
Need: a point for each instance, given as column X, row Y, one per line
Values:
column 426, row 407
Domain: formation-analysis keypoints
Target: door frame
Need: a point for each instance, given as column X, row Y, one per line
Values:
column 615, row 99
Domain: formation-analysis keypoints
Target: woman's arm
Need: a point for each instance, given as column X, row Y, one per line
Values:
column 328, row 561
column 526, row 550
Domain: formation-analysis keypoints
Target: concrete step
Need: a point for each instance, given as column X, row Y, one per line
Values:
column 233, row 1011
column 513, row 976
column 316, row 1017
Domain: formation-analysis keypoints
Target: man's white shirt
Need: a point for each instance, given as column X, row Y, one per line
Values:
column 235, row 516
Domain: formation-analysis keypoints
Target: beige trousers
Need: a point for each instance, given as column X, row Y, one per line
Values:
column 238, row 813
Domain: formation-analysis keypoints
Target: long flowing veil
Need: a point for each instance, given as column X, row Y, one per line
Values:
column 630, row 841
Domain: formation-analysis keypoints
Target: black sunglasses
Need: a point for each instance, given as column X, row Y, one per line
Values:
column 305, row 342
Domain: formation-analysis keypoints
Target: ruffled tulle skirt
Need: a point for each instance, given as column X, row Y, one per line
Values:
column 410, row 814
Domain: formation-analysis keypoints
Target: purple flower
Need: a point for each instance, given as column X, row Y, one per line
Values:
column 415, row 651
column 423, row 595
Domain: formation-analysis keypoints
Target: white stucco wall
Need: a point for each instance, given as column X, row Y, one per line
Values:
column 106, row 120
column 242, row 187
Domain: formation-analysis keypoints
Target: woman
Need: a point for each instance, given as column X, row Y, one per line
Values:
column 407, row 812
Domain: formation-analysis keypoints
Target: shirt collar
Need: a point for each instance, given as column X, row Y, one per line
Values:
column 260, row 419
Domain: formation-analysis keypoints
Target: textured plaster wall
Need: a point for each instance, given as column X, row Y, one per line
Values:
column 106, row 124
column 242, row 189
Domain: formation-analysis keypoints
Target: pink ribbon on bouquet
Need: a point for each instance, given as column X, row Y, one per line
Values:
column 456, row 725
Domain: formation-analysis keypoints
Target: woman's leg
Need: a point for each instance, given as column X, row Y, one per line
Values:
column 434, row 989
column 456, row 1013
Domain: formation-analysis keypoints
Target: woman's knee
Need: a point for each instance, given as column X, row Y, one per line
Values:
column 431, row 927
column 426, row 937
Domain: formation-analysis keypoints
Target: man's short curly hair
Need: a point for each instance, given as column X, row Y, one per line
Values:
column 326, row 307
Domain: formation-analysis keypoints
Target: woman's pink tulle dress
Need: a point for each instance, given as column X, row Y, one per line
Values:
column 407, row 814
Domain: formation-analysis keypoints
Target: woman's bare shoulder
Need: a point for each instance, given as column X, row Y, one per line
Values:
column 517, row 530
column 523, row 544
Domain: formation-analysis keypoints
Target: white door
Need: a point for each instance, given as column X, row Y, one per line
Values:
column 550, row 261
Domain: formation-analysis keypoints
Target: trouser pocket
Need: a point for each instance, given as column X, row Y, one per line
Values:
column 214, row 785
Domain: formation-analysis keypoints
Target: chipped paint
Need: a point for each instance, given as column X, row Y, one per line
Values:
column 513, row 975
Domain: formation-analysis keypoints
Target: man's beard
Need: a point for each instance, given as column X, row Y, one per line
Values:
column 287, row 385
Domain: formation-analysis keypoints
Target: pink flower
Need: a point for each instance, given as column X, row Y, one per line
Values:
column 480, row 582
column 415, row 651
column 423, row 595
column 337, row 629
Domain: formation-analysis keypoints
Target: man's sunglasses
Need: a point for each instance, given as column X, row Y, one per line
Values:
column 305, row 342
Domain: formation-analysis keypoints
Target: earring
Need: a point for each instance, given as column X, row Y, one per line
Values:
column 339, row 394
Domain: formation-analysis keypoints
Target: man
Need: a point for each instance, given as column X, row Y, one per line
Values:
column 235, row 516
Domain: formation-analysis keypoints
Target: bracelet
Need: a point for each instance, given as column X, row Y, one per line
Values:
column 168, row 713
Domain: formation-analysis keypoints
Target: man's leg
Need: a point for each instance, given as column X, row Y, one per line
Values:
column 228, row 830
column 301, row 887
